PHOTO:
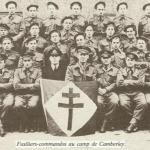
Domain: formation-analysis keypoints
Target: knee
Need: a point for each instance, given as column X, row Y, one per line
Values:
column 8, row 102
column 33, row 102
column 18, row 102
column 114, row 99
column 124, row 103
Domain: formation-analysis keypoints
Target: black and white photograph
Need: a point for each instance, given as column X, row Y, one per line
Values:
column 74, row 74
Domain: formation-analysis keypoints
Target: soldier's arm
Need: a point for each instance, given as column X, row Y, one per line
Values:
column 69, row 74
column 140, row 29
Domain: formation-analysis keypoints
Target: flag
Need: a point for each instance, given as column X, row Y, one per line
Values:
column 69, row 108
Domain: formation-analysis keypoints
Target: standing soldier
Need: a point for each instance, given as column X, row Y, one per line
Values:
column 144, row 24
column 122, row 20
column 82, row 70
column 32, row 17
column 6, row 89
column 14, row 22
column 78, row 20
column 130, row 80
column 99, row 19
column 107, row 97
column 26, row 84
column 53, row 22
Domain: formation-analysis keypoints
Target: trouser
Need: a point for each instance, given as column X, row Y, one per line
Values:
column 136, row 99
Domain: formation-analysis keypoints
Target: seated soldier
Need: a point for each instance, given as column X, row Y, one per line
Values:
column 79, row 21
column 34, row 31
column 130, row 81
column 82, row 70
column 54, row 68
column 26, row 85
column 9, row 50
column 6, row 89
column 107, row 97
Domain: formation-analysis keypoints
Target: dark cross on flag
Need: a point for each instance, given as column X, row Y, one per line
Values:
column 71, row 105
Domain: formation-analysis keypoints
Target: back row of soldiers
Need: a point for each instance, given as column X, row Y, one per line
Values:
column 74, row 49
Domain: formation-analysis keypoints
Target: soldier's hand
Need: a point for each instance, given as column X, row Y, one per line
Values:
column 102, row 91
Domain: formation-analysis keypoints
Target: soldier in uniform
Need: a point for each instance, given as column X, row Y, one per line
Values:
column 122, row 20
column 54, row 68
column 82, row 70
column 130, row 80
column 67, row 34
column 9, row 50
column 32, row 17
column 53, row 22
column 144, row 24
column 26, row 85
column 14, row 21
column 79, row 21
column 107, row 97
column 6, row 89
column 99, row 19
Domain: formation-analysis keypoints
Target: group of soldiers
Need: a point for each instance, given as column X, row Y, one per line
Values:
column 113, row 52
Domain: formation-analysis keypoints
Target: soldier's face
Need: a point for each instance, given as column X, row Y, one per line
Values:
column 82, row 57
column 100, row 10
column 33, row 12
column 80, row 41
column 67, row 25
column 3, row 32
column 110, row 31
column 32, row 45
column 130, row 33
column 89, row 31
column 115, row 43
column 55, row 37
column 2, row 64
column 27, row 62
column 147, row 10
column 76, row 9
column 141, row 44
column 106, row 61
column 54, row 59
column 51, row 9
column 34, row 31
column 11, row 8
column 7, row 45
column 122, row 10
column 130, row 62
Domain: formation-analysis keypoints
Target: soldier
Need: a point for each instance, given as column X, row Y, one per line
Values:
column 9, row 50
column 32, row 17
column 82, row 70
column 105, row 43
column 6, row 89
column 78, row 20
column 99, row 19
column 122, row 20
column 131, row 40
column 14, row 21
column 67, row 34
column 26, row 84
column 144, row 26
column 54, row 68
column 130, row 80
column 53, row 22
column 34, row 31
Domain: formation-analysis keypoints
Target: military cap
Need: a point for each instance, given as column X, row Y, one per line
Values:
column 32, row 5
column 65, row 18
column 34, row 24
column 144, row 7
column 132, row 55
column 54, row 51
column 30, row 39
column 7, row 37
column 105, row 54
column 54, row 4
column 98, row 3
column 120, row 36
column 76, row 3
column 83, row 49
column 5, row 26
column 130, row 26
column 28, row 54
column 3, row 57
column 10, row 2
column 54, row 31
column 142, row 38
column 122, row 3
column 79, row 34
column 110, row 23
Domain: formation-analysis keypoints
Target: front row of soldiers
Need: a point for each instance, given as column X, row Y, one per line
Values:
column 125, row 87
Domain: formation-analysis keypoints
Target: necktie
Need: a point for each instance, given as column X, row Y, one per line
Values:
column 130, row 73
